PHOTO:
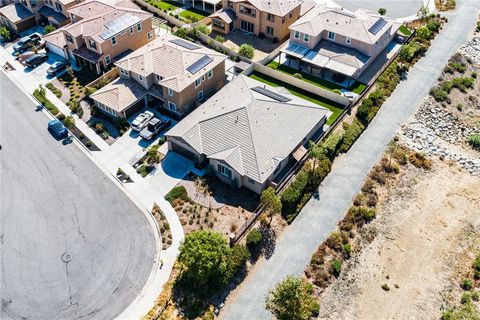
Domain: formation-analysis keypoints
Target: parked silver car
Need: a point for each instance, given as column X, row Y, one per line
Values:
column 154, row 127
column 141, row 120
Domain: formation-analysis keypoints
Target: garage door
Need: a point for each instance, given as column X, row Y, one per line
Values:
column 136, row 107
column 56, row 50
column 26, row 24
column 184, row 152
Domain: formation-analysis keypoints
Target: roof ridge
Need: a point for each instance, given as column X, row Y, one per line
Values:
column 252, row 139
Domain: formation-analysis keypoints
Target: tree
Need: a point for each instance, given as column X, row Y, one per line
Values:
column 49, row 28
column 424, row 33
column 246, row 50
column 254, row 239
column 182, row 33
column 423, row 12
column 271, row 202
column 5, row 33
column 382, row 11
column 152, row 153
column 292, row 299
column 208, row 260
column 69, row 122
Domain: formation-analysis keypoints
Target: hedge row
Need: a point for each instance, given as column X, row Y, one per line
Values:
column 45, row 102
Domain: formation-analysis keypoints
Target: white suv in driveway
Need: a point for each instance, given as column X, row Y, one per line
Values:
column 141, row 120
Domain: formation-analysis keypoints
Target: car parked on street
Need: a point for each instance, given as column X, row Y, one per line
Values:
column 58, row 130
column 56, row 68
column 154, row 126
column 36, row 59
column 141, row 120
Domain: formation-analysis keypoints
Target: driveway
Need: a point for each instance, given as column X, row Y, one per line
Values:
column 320, row 216
column 395, row 8
column 73, row 246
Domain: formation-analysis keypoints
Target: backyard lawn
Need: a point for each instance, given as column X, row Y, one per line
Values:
column 193, row 14
column 356, row 87
column 336, row 109
column 164, row 5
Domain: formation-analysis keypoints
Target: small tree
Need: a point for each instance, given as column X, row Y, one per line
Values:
column 382, row 11
column 254, row 238
column 152, row 153
column 219, row 38
column 246, row 50
column 69, row 122
column 422, row 13
column 271, row 202
column 49, row 28
column 424, row 33
column 5, row 33
column 292, row 299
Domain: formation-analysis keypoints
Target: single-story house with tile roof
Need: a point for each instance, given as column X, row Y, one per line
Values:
column 248, row 132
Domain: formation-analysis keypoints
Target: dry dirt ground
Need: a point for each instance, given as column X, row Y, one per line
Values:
column 418, row 233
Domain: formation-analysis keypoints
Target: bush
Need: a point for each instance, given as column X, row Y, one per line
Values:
column 366, row 213
column 439, row 94
column 254, row 239
column 177, row 193
column 337, row 91
column 409, row 51
column 219, row 38
column 382, row 11
column 143, row 170
column 330, row 145
column 61, row 116
column 49, row 28
column 466, row 298
column 385, row 287
column 54, row 89
column 424, row 33
column 352, row 132
column 69, row 122
column 474, row 75
column 297, row 75
column 246, row 50
column 336, row 266
column 5, row 33
column 293, row 193
column 347, row 248
column 474, row 141
column 203, row 29
column 466, row 284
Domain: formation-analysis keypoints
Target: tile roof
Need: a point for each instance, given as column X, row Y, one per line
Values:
column 275, row 7
column 120, row 94
column 248, row 130
column 15, row 12
column 170, row 61
column 49, row 12
column 227, row 15
column 91, row 8
column 354, row 25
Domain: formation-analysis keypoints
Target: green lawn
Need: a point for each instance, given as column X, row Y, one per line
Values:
column 193, row 14
column 356, row 87
column 164, row 5
column 330, row 105
column 403, row 29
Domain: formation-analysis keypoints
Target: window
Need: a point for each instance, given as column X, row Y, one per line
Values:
column 107, row 60
column 204, row 77
column 74, row 17
column 114, row 41
column 150, row 35
column 200, row 95
column 58, row 6
column 218, row 24
column 92, row 44
column 270, row 17
column 296, row 35
column 131, row 30
column 251, row 181
column 140, row 77
column 69, row 38
column 270, row 31
column 172, row 106
column 306, row 37
column 124, row 72
column 198, row 82
column 210, row 73
column 224, row 171
column 248, row 11
column 159, row 78
column 348, row 40
column 139, row 26
column 170, row 92
column 331, row 35
column 33, row 3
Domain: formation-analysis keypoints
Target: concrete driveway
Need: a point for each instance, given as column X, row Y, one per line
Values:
column 73, row 246
column 395, row 8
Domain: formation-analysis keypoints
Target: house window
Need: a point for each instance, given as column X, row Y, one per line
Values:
column 270, row 17
column 140, row 78
column 251, row 181
column 74, row 17
column 159, row 78
column 306, row 37
column 296, row 35
column 172, row 106
column 218, row 24
column 131, row 30
column 210, row 73
column 92, row 44
column 270, row 31
column 69, row 38
column 58, row 6
column 224, row 171
column 150, row 35
column 139, row 26
column 198, row 82
column 348, row 40
column 331, row 35
column 107, row 60
column 114, row 41
column 200, row 95
column 170, row 92
column 248, row 11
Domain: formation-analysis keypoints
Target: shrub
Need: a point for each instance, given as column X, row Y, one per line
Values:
column 54, row 89
column 49, row 28
column 475, row 296
column 330, row 145
column 143, row 170
column 61, row 116
column 474, row 141
column 336, row 266
column 466, row 298
column 385, row 287
column 219, row 38
column 476, row 263
column 439, row 94
column 246, row 50
column 474, row 75
column 366, row 213
column 5, row 33
column 466, row 284
column 409, row 51
column 293, row 193
column 254, row 239
column 424, row 33
column 347, row 248
column 335, row 241
column 69, row 122
column 382, row 11
column 88, row 144
column 203, row 29
column 337, row 91
column 178, row 192
column 352, row 132
column 297, row 75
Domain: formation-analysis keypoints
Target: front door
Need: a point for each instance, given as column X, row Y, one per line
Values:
column 247, row 26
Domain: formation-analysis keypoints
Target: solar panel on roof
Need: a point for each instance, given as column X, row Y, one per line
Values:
column 185, row 44
column 271, row 94
column 377, row 26
column 119, row 24
column 199, row 64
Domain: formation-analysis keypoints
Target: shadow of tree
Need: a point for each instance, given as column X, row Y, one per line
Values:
column 269, row 241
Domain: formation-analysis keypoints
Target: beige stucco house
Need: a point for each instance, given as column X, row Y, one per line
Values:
column 260, row 17
column 101, row 33
column 24, row 14
column 339, row 42
column 248, row 133
column 176, row 73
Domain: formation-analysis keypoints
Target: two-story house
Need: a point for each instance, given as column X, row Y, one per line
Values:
column 336, row 42
column 171, row 72
column 100, row 33
column 260, row 17
column 24, row 14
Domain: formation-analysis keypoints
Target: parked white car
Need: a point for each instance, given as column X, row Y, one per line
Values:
column 141, row 120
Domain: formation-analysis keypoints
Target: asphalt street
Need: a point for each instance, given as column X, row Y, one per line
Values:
column 395, row 8
column 73, row 246
column 321, row 215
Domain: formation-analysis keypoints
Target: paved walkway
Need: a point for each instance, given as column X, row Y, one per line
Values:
column 320, row 216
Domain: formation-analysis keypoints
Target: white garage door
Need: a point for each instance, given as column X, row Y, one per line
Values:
column 56, row 50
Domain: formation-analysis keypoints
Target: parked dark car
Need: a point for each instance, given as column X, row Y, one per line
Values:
column 153, row 127
column 57, row 129
column 36, row 59
column 22, row 44
column 56, row 68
